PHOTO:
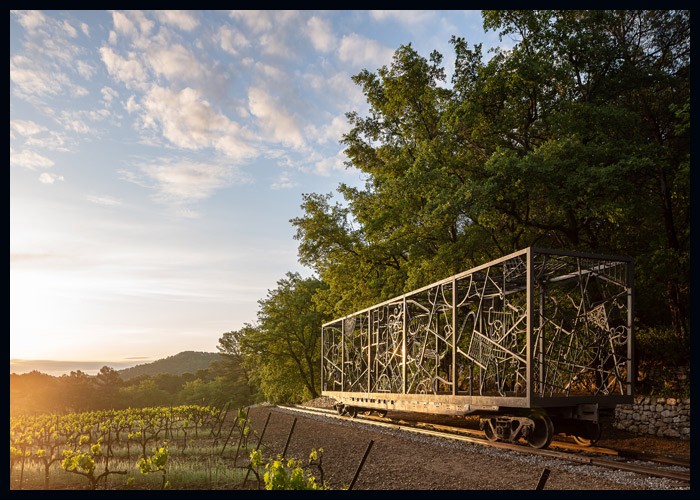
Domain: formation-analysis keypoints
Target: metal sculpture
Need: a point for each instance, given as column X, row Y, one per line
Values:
column 534, row 329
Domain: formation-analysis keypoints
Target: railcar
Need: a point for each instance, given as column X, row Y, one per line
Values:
column 536, row 343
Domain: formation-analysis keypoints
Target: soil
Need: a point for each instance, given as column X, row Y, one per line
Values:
column 398, row 460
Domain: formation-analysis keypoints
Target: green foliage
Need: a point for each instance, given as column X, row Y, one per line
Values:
column 282, row 353
column 156, row 463
column 94, row 444
column 146, row 393
column 234, row 372
column 289, row 474
column 576, row 138
column 84, row 462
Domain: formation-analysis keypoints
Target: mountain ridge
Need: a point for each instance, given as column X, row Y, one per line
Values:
column 177, row 364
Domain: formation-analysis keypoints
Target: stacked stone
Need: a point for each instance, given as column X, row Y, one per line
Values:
column 663, row 417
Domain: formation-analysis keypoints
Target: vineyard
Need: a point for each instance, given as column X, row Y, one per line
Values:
column 183, row 447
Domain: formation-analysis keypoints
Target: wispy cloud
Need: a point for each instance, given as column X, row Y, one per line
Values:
column 278, row 124
column 407, row 17
column 320, row 32
column 175, row 62
column 231, row 40
column 29, row 159
column 106, row 201
column 283, row 181
column 128, row 71
column 363, row 52
column 178, row 182
column 190, row 122
column 25, row 128
column 47, row 178
column 182, row 19
column 31, row 19
column 54, row 58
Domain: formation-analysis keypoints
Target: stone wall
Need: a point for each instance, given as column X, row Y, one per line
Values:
column 657, row 416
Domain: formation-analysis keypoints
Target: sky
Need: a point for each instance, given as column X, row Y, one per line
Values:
column 157, row 157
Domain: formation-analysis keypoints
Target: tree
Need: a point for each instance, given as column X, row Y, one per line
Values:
column 107, row 383
column 78, row 391
column 282, row 352
column 605, row 153
column 575, row 138
column 232, row 369
column 143, row 394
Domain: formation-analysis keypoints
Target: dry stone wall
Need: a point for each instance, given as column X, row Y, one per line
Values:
column 663, row 417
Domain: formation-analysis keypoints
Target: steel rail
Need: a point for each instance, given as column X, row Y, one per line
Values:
column 464, row 435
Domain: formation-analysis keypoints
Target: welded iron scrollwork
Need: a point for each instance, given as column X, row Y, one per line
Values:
column 492, row 330
column 582, row 330
column 468, row 334
column 387, row 348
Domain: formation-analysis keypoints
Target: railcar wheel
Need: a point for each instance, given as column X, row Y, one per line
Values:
column 381, row 413
column 489, row 433
column 542, row 434
column 351, row 411
column 590, row 436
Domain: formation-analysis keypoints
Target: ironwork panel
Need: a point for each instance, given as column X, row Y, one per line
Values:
column 332, row 357
column 387, row 344
column 582, row 327
column 492, row 333
column 355, row 353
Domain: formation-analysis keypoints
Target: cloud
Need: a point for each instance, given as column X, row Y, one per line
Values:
column 79, row 91
column 272, row 29
column 36, row 135
column 190, row 122
column 175, row 62
column 274, row 119
column 362, row 52
column 406, row 17
column 77, row 121
column 49, row 56
column 47, row 178
column 131, row 105
column 283, row 181
column 128, row 71
column 30, row 80
column 231, row 40
column 85, row 70
column 131, row 23
column 269, row 72
column 31, row 19
column 108, row 94
column 257, row 21
column 331, row 132
column 25, row 128
column 85, row 29
column 72, row 32
column 320, row 33
column 106, row 201
column 29, row 159
column 183, row 19
column 184, row 182
column 326, row 165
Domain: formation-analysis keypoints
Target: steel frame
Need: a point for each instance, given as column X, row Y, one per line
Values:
column 534, row 329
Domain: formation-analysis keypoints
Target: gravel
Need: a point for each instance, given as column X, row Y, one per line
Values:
column 402, row 460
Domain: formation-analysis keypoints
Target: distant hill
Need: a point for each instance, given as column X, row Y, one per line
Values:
column 184, row 362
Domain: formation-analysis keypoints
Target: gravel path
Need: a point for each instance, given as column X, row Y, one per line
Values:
column 405, row 461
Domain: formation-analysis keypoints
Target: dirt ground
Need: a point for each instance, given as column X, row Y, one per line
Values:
column 399, row 461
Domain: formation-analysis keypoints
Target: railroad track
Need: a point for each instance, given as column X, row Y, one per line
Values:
column 592, row 455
